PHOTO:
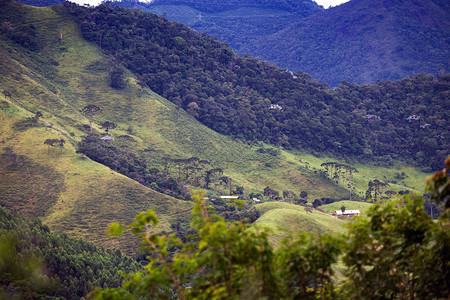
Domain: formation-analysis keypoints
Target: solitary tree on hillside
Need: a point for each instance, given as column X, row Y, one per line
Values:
column 61, row 144
column 54, row 142
column 108, row 125
column 342, row 208
column 91, row 110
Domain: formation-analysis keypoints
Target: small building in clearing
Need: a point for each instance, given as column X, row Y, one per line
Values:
column 347, row 213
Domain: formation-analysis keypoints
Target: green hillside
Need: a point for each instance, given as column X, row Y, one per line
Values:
column 71, row 193
column 294, row 218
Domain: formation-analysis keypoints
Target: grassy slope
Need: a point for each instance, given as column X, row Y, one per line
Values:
column 414, row 181
column 59, row 81
column 294, row 218
column 91, row 195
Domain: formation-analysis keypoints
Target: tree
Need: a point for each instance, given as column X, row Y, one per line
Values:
column 317, row 203
column 37, row 115
column 51, row 142
column 108, row 126
column 91, row 110
column 210, row 176
column 192, row 109
column 117, row 78
column 304, row 194
column 343, row 209
column 61, row 144
column 439, row 185
column 398, row 252
column 289, row 195
column 271, row 193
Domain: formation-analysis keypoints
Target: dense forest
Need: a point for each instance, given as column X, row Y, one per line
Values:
column 254, row 100
column 34, row 262
column 361, row 41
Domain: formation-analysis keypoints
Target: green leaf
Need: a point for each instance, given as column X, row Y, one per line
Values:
column 115, row 229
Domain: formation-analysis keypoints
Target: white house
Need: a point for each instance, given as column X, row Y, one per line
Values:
column 347, row 213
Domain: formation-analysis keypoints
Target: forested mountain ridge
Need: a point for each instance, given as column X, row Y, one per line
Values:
column 236, row 22
column 255, row 100
column 217, row 6
column 359, row 41
column 363, row 41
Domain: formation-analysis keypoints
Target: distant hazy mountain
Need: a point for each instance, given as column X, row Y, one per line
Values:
column 215, row 6
column 365, row 40
column 360, row 41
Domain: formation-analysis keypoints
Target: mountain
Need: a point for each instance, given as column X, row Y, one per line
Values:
column 364, row 41
column 359, row 41
column 235, row 22
column 219, row 6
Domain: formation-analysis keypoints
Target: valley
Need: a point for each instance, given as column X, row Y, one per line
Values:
column 55, row 165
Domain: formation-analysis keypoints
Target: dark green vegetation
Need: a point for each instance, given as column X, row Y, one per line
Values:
column 41, row 3
column 121, row 158
column 219, row 6
column 34, row 262
column 361, row 41
column 254, row 100
column 397, row 252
